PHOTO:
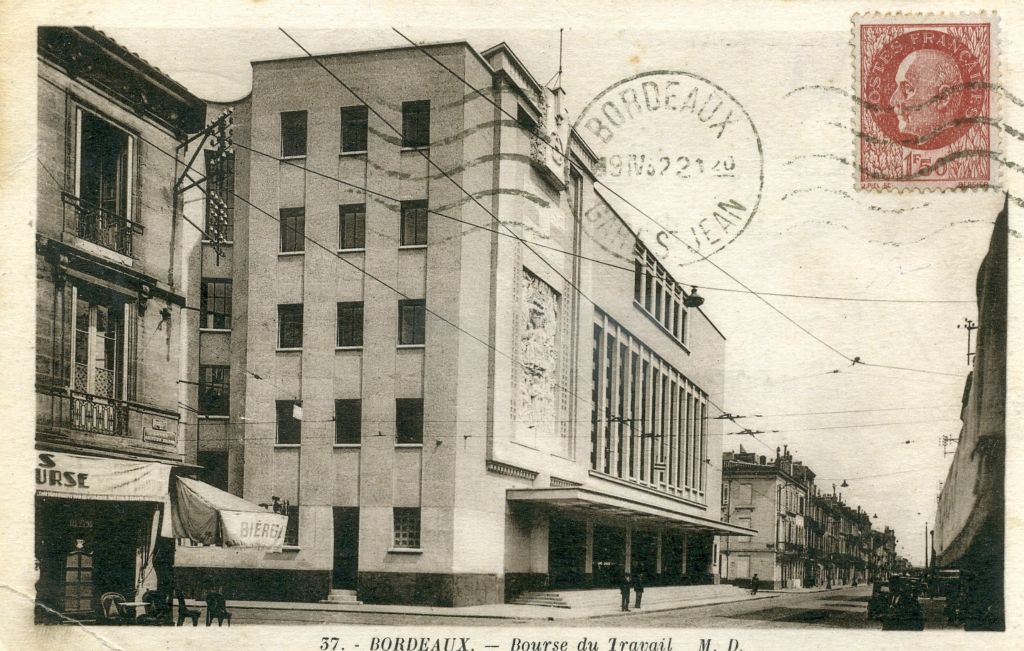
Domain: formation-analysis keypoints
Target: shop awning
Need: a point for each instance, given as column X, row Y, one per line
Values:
column 586, row 500
column 210, row 516
column 75, row 476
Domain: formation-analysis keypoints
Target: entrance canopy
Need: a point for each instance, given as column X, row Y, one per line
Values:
column 211, row 516
column 585, row 500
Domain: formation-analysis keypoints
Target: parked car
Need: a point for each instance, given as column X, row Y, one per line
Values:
column 881, row 593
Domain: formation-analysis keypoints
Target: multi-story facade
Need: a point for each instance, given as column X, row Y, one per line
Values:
column 109, row 319
column 970, row 521
column 805, row 538
column 445, row 357
column 770, row 497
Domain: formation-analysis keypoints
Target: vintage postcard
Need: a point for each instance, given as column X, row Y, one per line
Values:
column 531, row 327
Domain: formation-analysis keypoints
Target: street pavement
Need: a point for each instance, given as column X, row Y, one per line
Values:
column 838, row 608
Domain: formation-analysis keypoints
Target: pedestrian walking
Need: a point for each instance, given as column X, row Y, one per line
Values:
column 754, row 584
column 624, row 583
column 638, row 588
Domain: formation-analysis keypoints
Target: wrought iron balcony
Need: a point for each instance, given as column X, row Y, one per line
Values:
column 67, row 414
column 84, row 412
column 94, row 224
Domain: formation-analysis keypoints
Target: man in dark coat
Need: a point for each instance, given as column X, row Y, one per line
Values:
column 624, row 584
column 638, row 588
column 754, row 584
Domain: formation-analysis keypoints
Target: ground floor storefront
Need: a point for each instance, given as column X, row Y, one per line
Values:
column 97, row 530
column 549, row 540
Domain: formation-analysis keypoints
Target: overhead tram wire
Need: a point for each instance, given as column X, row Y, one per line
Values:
column 385, row 284
column 584, row 400
column 605, row 263
column 663, row 228
column 853, row 360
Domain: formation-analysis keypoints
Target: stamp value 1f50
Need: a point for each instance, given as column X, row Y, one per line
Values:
column 924, row 100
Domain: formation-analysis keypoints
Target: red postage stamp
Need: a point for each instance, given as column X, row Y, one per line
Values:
column 924, row 100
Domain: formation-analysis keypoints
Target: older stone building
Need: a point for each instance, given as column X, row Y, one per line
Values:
column 109, row 319
column 435, row 347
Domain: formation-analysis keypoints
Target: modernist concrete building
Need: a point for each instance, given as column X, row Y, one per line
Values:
column 109, row 319
column 435, row 347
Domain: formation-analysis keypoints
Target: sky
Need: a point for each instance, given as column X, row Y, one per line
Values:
column 812, row 234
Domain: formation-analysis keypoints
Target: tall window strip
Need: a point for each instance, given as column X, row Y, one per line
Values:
column 656, row 292
column 703, row 446
column 595, row 392
column 621, row 393
column 647, row 424
column 609, row 354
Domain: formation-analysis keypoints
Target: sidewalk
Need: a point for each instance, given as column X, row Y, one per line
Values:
column 495, row 611
column 808, row 590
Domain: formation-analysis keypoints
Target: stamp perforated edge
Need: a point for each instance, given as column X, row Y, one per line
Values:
column 995, row 181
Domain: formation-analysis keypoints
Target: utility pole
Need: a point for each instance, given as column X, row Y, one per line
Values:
column 969, row 326
column 926, row 546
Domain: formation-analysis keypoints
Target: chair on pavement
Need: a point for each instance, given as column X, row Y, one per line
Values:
column 113, row 612
column 157, row 611
column 216, row 608
column 184, row 612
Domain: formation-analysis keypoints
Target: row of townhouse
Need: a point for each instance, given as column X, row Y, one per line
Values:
column 804, row 537
column 400, row 317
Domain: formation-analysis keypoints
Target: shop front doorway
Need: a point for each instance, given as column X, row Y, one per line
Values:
column 567, row 548
column 609, row 555
column 346, row 547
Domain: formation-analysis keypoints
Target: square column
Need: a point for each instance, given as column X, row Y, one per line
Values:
column 657, row 553
column 588, row 556
column 628, row 561
column 686, row 542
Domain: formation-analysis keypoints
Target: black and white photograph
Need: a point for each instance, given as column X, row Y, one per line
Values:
column 512, row 327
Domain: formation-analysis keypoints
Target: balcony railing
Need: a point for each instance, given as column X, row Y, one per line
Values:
column 66, row 413
column 94, row 224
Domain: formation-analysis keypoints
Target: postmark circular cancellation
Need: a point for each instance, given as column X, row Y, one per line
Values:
column 679, row 159
column 925, row 102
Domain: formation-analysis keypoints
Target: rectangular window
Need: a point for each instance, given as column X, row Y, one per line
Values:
column 214, row 390
column 98, row 343
column 104, row 183
column 416, row 124
column 350, row 324
column 215, row 304
column 725, row 494
column 414, row 223
column 220, row 185
column 293, row 229
column 348, row 418
column 293, row 133
column 412, row 322
column 409, row 420
column 352, row 226
column 103, row 164
column 291, row 531
column 353, row 128
column 407, row 528
column 289, row 423
column 289, row 326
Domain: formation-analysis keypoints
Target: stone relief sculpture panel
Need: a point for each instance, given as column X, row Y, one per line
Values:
column 538, row 343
